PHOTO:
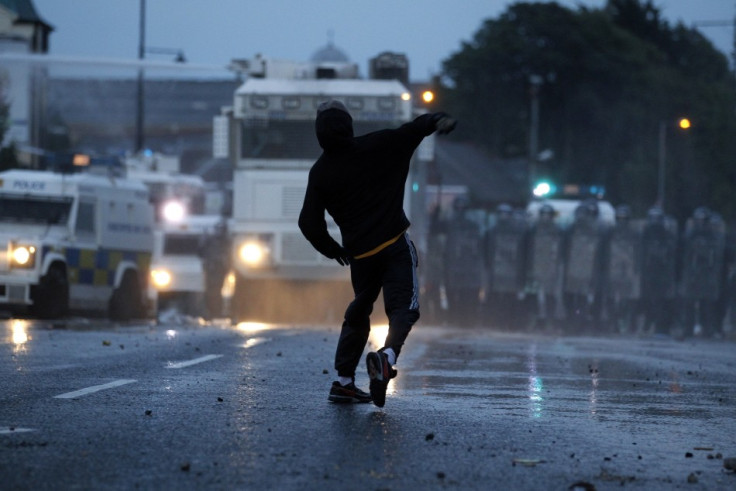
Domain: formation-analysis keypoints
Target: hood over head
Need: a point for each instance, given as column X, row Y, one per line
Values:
column 334, row 126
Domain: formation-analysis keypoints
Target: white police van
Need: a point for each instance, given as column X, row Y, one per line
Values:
column 80, row 242
column 178, row 275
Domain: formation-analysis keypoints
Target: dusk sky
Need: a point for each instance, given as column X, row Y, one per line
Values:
column 214, row 32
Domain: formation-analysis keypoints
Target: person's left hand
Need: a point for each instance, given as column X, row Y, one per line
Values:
column 342, row 257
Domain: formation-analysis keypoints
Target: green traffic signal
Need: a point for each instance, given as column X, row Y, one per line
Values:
column 543, row 188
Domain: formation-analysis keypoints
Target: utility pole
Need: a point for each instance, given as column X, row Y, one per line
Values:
column 535, row 81
column 140, row 107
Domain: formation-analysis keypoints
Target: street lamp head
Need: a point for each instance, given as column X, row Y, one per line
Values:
column 684, row 123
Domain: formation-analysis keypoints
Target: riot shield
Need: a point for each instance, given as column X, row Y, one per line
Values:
column 659, row 249
column 702, row 262
column 582, row 267
column 623, row 262
column 545, row 254
column 506, row 253
column 463, row 259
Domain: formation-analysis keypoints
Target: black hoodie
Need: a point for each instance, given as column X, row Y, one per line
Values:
column 360, row 182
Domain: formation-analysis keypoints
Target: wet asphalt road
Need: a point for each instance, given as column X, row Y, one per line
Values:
column 88, row 405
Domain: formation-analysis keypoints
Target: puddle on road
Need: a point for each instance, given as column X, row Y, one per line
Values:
column 650, row 383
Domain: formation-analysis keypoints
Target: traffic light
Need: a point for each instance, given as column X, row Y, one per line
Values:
column 543, row 189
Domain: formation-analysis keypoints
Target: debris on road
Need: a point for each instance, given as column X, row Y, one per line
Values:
column 527, row 462
column 581, row 486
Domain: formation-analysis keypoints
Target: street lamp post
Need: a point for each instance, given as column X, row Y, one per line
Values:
column 535, row 81
column 682, row 123
column 140, row 121
column 661, row 166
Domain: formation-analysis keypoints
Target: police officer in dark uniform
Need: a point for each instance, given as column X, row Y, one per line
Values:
column 658, row 274
column 583, row 265
column 622, row 272
column 544, row 266
column 703, row 251
column 504, row 251
column 463, row 265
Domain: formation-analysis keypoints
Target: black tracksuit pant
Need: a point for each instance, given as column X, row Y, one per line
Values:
column 395, row 270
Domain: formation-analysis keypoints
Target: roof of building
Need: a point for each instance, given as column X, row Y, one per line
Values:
column 25, row 10
column 334, row 87
column 330, row 53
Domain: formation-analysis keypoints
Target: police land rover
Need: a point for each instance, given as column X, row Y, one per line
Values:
column 80, row 242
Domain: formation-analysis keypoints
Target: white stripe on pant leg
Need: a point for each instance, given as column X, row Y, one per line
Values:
column 415, row 281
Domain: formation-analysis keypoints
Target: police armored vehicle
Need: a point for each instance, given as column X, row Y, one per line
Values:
column 268, row 135
column 78, row 242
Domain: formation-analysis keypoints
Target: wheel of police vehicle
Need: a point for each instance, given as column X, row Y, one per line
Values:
column 127, row 301
column 51, row 299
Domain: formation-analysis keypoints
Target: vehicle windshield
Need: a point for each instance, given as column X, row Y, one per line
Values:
column 278, row 139
column 181, row 244
column 35, row 210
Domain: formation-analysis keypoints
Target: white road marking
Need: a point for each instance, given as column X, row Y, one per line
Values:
column 94, row 388
column 9, row 430
column 189, row 363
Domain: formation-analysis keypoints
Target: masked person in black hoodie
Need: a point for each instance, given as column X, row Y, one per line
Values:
column 359, row 181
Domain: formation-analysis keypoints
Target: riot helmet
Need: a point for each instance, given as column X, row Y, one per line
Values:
column 623, row 213
column 504, row 212
column 460, row 203
column 655, row 215
column 701, row 216
column 546, row 212
column 460, row 206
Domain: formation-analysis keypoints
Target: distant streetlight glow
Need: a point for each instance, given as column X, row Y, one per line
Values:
column 427, row 96
column 685, row 123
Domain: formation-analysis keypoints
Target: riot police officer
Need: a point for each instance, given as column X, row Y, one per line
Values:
column 582, row 267
column 622, row 271
column 658, row 280
column 463, row 265
column 504, row 250
column 543, row 266
column 703, row 248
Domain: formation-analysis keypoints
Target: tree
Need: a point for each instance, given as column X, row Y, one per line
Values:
column 609, row 76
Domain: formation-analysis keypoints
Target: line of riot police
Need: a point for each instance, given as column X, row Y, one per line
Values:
column 521, row 271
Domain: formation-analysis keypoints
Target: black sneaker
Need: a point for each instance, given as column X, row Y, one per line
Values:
column 347, row 393
column 380, row 373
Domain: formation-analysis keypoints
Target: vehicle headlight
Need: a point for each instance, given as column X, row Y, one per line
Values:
column 228, row 285
column 160, row 278
column 23, row 256
column 254, row 253
column 173, row 211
